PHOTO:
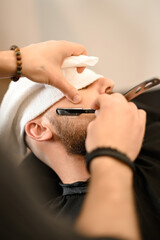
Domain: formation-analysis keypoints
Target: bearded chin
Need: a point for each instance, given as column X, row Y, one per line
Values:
column 74, row 144
column 72, row 135
column 77, row 146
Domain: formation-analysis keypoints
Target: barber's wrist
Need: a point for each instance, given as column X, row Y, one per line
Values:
column 109, row 169
column 8, row 64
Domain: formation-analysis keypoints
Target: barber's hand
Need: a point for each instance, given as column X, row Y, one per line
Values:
column 118, row 124
column 42, row 63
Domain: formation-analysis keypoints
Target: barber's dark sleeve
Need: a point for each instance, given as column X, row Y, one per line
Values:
column 22, row 217
column 147, row 174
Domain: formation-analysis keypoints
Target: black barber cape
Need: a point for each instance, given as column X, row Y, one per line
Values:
column 69, row 203
column 69, row 198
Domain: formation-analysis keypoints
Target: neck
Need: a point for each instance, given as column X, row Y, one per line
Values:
column 69, row 167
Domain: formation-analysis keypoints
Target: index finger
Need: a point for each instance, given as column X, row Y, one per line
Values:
column 79, row 50
column 63, row 85
column 101, row 100
column 75, row 49
column 105, row 100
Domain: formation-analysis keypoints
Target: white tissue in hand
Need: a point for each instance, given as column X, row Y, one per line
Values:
column 80, row 61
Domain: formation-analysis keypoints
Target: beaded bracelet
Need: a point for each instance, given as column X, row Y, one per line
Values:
column 103, row 151
column 19, row 63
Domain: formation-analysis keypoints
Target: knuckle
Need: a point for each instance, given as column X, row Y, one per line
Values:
column 89, row 127
column 133, row 107
column 118, row 97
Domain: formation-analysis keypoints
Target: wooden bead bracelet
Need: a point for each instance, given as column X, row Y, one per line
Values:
column 19, row 63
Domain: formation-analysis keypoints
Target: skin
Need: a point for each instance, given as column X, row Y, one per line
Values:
column 42, row 62
column 113, row 179
column 109, row 209
column 109, row 212
column 97, row 128
column 44, row 139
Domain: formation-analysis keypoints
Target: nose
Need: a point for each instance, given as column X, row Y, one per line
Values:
column 105, row 85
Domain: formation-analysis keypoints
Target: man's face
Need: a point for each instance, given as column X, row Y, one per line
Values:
column 72, row 131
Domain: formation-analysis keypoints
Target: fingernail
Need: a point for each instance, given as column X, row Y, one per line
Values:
column 96, row 112
column 77, row 98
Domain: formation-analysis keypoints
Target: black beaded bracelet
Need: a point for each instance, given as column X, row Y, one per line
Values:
column 111, row 152
column 19, row 63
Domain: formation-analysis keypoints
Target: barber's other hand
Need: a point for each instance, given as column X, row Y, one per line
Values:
column 42, row 63
column 118, row 124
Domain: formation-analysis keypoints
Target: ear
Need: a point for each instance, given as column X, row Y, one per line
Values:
column 38, row 131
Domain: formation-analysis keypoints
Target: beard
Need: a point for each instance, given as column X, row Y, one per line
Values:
column 72, row 132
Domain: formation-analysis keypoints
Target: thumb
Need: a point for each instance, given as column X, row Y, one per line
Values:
column 64, row 86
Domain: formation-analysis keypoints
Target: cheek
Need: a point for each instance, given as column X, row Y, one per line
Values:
column 88, row 98
column 73, row 124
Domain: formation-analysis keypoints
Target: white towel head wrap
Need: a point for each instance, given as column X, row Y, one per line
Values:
column 26, row 100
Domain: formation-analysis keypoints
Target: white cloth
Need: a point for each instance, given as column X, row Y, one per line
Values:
column 26, row 100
